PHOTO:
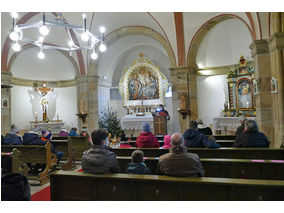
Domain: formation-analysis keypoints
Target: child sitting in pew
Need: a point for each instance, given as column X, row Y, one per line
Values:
column 13, row 138
column 137, row 165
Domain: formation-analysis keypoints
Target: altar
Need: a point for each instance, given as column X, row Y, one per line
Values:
column 132, row 124
column 226, row 125
column 53, row 126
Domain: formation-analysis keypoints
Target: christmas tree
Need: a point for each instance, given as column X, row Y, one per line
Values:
column 110, row 121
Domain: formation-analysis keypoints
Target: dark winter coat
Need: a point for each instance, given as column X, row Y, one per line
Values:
column 196, row 139
column 15, row 187
column 137, row 168
column 251, row 139
column 32, row 139
column 179, row 162
column 98, row 159
column 205, row 131
column 147, row 140
column 12, row 139
column 240, row 130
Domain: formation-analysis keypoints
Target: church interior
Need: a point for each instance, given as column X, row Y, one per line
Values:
column 213, row 66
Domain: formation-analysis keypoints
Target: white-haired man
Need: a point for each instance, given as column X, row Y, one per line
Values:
column 179, row 162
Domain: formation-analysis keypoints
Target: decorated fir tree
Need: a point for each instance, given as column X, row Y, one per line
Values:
column 110, row 121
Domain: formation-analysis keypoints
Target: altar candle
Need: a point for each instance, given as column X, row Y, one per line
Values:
column 247, row 104
column 228, row 105
column 35, row 114
column 81, row 106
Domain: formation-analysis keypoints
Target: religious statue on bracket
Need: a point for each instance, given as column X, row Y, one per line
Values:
column 242, row 87
column 43, row 101
column 143, row 86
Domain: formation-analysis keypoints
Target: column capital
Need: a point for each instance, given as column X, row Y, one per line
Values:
column 181, row 70
column 259, row 47
column 276, row 42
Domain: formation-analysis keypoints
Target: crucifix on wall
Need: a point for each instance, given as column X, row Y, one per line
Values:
column 44, row 93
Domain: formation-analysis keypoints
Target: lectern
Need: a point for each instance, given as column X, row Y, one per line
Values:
column 160, row 125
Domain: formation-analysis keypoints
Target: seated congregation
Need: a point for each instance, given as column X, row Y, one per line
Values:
column 100, row 158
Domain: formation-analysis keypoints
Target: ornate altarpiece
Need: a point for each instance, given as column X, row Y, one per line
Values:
column 143, row 86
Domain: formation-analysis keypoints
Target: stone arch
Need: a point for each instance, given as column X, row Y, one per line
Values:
column 29, row 46
column 132, row 30
column 201, row 33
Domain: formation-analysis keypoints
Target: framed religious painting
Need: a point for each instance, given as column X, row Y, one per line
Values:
column 244, row 93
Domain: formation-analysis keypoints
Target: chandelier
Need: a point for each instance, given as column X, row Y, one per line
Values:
column 44, row 26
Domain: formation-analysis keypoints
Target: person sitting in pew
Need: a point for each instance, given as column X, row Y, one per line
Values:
column 251, row 136
column 98, row 159
column 15, row 187
column 146, row 139
column 179, row 162
column 63, row 132
column 137, row 165
column 73, row 132
column 167, row 142
column 195, row 139
column 13, row 138
column 203, row 129
column 241, row 128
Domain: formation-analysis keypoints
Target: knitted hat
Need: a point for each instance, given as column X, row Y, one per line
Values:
column 167, row 142
column 146, row 127
column 14, row 129
column 46, row 134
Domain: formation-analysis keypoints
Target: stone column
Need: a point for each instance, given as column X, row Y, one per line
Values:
column 264, row 110
column 6, row 112
column 183, row 80
column 93, row 116
column 82, row 97
column 276, row 46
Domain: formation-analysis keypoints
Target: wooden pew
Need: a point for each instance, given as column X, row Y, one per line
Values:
column 68, row 185
column 223, row 143
column 217, row 137
column 10, row 163
column 76, row 146
column 35, row 154
column 225, row 168
column 235, row 153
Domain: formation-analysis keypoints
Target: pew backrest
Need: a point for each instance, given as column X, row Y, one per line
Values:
column 67, row 185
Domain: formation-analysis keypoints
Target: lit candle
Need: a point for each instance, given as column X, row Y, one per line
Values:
column 247, row 104
column 228, row 105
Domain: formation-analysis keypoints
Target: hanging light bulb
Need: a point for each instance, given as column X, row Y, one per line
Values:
column 44, row 30
column 14, row 36
column 94, row 55
column 41, row 55
column 14, row 15
column 102, row 29
column 70, row 43
column 102, row 47
column 85, row 36
column 16, row 47
column 40, row 39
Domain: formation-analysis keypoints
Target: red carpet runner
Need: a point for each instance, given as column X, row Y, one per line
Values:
column 44, row 194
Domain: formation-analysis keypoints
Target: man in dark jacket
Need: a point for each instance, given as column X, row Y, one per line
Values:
column 137, row 165
column 195, row 139
column 146, row 139
column 13, row 138
column 179, row 162
column 251, row 136
column 241, row 128
column 98, row 159
column 203, row 129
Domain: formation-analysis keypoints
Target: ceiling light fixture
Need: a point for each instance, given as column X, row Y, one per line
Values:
column 45, row 25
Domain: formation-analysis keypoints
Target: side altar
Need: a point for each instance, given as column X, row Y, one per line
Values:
column 53, row 126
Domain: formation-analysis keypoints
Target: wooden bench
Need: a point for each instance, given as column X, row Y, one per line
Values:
column 79, row 186
column 10, row 163
column 35, row 154
column 217, row 137
column 235, row 153
column 223, row 143
column 225, row 168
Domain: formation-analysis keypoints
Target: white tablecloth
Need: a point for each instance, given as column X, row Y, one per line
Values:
column 132, row 122
column 227, row 123
column 55, row 127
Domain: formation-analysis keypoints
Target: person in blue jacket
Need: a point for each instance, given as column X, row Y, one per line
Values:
column 13, row 138
column 73, row 132
column 137, row 165
column 195, row 139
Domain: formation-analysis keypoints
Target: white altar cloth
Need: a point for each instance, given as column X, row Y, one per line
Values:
column 55, row 127
column 133, row 122
column 227, row 124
